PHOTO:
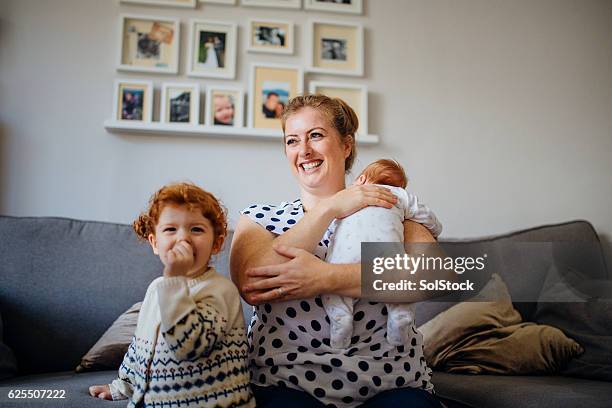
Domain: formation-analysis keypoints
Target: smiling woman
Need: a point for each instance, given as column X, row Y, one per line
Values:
column 276, row 262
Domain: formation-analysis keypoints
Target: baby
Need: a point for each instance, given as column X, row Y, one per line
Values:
column 223, row 106
column 375, row 224
column 190, row 346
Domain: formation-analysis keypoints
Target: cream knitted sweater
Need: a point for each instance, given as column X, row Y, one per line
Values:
column 190, row 347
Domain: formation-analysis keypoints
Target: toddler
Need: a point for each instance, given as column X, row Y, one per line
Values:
column 190, row 347
column 375, row 224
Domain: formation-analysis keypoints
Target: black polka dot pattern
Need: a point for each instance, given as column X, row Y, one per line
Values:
column 290, row 347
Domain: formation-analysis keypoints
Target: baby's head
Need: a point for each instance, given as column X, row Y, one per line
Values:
column 223, row 106
column 183, row 212
column 383, row 171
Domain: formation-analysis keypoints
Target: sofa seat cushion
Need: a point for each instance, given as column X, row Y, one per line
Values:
column 499, row 391
column 75, row 385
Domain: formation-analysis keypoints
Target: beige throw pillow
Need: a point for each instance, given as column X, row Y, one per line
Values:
column 109, row 350
column 488, row 337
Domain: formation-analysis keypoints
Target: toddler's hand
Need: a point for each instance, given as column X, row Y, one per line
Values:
column 101, row 391
column 179, row 260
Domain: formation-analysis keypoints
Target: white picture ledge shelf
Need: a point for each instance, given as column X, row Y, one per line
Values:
column 175, row 129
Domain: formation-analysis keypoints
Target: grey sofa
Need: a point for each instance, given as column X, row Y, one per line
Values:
column 63, row 282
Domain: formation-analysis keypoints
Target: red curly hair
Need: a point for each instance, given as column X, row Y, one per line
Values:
column 183, row 194
column 386, row 171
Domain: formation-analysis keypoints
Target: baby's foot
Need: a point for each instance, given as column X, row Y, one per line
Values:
column 101, row 391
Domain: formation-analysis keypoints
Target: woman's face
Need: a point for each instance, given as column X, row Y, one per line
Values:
column 315, row 152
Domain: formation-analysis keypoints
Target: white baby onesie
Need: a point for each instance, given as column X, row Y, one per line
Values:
column 373, row 224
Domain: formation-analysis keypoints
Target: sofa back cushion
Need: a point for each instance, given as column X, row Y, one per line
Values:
column 63, row 283
column 525, row 257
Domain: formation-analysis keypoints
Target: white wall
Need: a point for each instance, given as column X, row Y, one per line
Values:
column 501, row 112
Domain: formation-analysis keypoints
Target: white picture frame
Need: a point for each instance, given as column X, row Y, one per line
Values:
column 355, row 6
column 172, row 106
column 284, row 4
column 206, row 36
column 148, row 44
column 225, row 2
column 287, row 81
column 270, row 36
column 141, row 107
column 356, row 95
column 335, row 47
column 237, row 99
column 163, row 3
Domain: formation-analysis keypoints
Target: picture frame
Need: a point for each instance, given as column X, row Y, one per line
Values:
column 356, row 95
column 271, row 86
column 218, row 100
column 133, row 100
column 148, row 44
column 180, row 103
column 286, row 4
column 164, row 3
column 212, row 49
column 225, row 2
column 348, row 6
column 270, row 36
column 335, row 47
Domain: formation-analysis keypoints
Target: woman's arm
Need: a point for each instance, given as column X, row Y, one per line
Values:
column 252, row 245
column 306, row 276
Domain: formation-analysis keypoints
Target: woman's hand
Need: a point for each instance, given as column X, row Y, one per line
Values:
column 354, row 198
column 299, row 278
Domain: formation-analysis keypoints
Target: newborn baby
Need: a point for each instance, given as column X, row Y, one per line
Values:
column 375, row 224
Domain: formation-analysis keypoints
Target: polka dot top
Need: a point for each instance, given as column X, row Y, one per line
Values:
column 290, row 346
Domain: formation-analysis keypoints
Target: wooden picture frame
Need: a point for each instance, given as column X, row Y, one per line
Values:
column 335, row 47
column 270, row 36
column 133, row 100
column 218, row 112
column 270, row 87
column 352, row 7
column 356, row 95
column 212, row 49
column 180, row 103
column 163, row 3
column 148, row 44
column 282, row 4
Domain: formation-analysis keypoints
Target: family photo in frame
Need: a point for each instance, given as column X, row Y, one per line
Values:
column 149, row 44
column 212, row 49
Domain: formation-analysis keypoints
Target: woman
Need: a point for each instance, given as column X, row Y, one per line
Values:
column 276, row 264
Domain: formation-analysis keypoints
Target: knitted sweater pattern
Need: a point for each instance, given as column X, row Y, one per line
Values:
column 190, row 347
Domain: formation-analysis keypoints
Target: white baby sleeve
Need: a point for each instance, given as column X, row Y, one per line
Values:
column 419, row 212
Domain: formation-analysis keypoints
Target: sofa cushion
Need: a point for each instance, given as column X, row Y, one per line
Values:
column 76, row 387
column 109, row 350
column 526, row 257
column 79, row 276
column 498, row 391
column 485, row 337
column 583, row 310
column 8, row 364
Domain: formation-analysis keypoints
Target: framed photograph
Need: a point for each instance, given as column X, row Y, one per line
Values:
column 148, row 44
column 180, row 103
column 224, row 106
column 270, row 36
column 336, row 48
column 335, row 6
column 287, row 4
column 168, row 3
column 212, row 49
column 133, row 100
column 228, row 2
column 271, row 87
column 356, row 95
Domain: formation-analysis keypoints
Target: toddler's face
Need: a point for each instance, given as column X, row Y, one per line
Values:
column 176, row 223
column 224, row 110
